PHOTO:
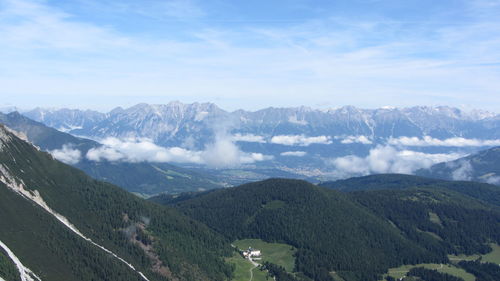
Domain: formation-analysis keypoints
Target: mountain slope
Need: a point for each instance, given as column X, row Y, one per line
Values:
column 483, row 166
column 141, row 178
column 330, row 231
column 485, row 192
column 65, row 226
column 45, row 137
column 358, row 234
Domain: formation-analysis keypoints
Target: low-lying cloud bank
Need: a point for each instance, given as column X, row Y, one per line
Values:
column 67, row 154
column 293, row 153
column 248, row 138
column 355, row 139
column 300, row 140
column 452, row 142
column 222, row 153
column 388, row 159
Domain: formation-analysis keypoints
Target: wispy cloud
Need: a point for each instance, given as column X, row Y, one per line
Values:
column 294, row 153
column 248, row 138
column 451, row 142
column 369, row 62
column 462, row 170
column 300, row 140
column 355, row 139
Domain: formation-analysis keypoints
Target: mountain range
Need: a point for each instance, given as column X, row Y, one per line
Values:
column 304, row 142
column 170, row 124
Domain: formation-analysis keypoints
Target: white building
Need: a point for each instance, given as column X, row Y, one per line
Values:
column 251, row 253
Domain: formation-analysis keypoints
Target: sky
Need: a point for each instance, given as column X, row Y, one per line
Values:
column 101, row 54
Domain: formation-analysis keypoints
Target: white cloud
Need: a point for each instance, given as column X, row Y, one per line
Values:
column 356, row 139
column 493, row 180
column 430, row 141
column 61, row 51
column 139, row 150
column 300, row 140
column 388, row 159
column 293, row 153
column 67, row 154
column 221, row 153
column 462, row 170
column 248, row 138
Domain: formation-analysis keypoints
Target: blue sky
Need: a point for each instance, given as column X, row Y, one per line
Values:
column 250, row 54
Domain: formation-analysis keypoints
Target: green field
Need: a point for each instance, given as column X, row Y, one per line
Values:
column 280, row 254
column 242, row 270
column 493, row 256
column 443, row 268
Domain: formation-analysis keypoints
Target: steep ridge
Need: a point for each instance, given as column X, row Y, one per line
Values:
column 89, row 229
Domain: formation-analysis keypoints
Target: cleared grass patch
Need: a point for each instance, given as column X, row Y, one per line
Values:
column 433, row 217
column 242, row 269
column 443, row 268
column 280, row 254
column 493, row 256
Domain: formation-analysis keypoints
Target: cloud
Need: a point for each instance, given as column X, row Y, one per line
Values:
column 388, row 159
column 248, row 138
column 293, row 153
column 222, row 153
column 452, row 142
column 462, row 170
column 139, row 150
column 300, row 140
column 67, row 154
column 356, row 139
column 61, row 48
column 493, row 180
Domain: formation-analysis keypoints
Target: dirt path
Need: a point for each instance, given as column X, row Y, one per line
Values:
column 255, row 265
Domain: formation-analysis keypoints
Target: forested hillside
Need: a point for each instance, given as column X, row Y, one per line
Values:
column 330, row 231
column 482, row 191
column 156, row 240
column 358, row 235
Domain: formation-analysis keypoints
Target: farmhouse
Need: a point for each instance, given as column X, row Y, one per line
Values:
column 251, row 253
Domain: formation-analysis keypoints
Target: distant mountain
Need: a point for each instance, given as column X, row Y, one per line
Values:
column 358, row 235
column 483, row 166
column 170, row 124
column 141, row 178
column 301, row 141
column 56, row 223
